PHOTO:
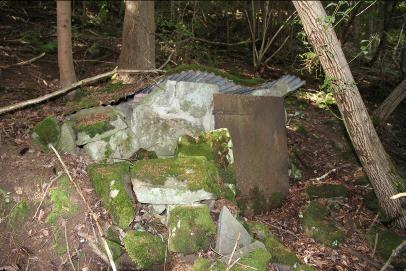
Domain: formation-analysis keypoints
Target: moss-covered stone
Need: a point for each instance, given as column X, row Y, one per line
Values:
column 46, row 132
column 318, row 226
column 255, row 260
column 386, row 241
column 371, row 202
column 327, row 191
column 62, row 205
column 304, row 267
column 214, row 145
column 143, row 154
column 144, row 249
column 196, row 171
column 280, row 253
column 18, row 215
column 96, row 123
column 113, row 241
column 109, row 183
column 190, row 229
column 203, row 264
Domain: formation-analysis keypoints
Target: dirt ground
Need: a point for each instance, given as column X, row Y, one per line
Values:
column 316, row 139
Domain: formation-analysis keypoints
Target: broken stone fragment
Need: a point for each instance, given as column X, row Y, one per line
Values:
column 109, row 181
column 46, row 132
column 67, row 139
column 144, row 249
column 191, row 229
column 228, row 230
column 96, row 123
column 172, row 192
column 171, row 110
column 327, row 191
column 191, row 173
column 320, row 227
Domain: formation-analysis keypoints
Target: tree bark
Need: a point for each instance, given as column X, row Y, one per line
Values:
column 65, row 59
column 370, row 151
column 138, row 50
column 391, row 102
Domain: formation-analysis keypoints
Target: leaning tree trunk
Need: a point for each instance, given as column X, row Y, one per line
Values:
column 65, row 59
column 391, row 102
column 138, row 50
column 370, row 151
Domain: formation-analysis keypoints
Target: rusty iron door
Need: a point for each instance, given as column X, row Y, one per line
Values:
column 257, row 128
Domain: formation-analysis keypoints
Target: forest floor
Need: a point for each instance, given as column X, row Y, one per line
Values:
column 316, row 138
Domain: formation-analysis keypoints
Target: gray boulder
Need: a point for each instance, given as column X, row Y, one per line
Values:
column 67, row 139
column 171, row 110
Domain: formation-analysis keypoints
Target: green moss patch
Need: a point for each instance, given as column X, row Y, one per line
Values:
column 18, row 215
column 255, row 260
column 190, row 229
column 197, row 171
column 327, row 191
column 236, row 78
column 46, row 132
column 203, row 264
column 94, row 121
column 109, row 183
column 318, row 226
column 304, row 267
column 144, row 249
column 280, row 253
column 113, row 241
column 61, row 204
column 386, row 241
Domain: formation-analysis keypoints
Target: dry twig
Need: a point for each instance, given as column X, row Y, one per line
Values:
column 45, row 194
column 25, row 62
column 93, row 214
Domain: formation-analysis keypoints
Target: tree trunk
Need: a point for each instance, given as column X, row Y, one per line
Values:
column 138, row 50
column 65, row 59
column 391, row 102
column 370, row 151
column 387, row 22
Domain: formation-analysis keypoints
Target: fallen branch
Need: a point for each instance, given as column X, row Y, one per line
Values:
column 67, row 246
column 29, row 61
column 71, row 87
column 92, row 213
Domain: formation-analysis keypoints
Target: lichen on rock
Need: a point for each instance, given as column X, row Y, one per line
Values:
column 144, row 249
column 109, row 181
column 190, row 229
column 320, row 227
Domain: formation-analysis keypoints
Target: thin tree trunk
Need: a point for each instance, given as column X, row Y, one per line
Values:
column 391, row 102
column 387, row 22
column 65, row 59
column 370, row 151
column 346, row 30
column 138, row 51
